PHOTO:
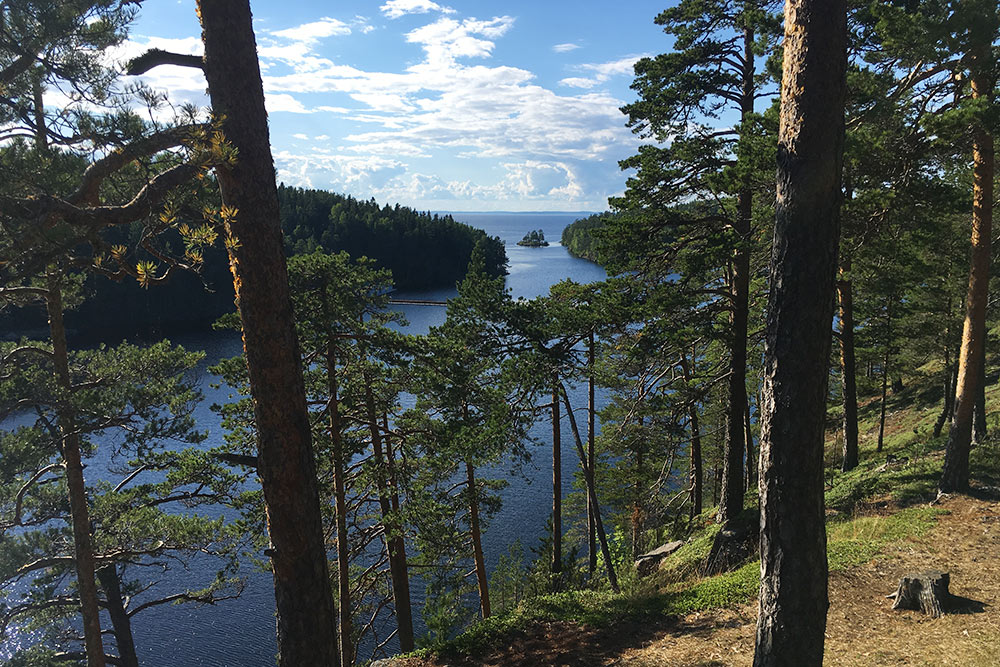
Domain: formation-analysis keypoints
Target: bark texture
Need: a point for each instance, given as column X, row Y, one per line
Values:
column 305, row 611
column 793, row 593
column 955, row 476
column 70, row 441
column 927, row 591
column 344, row 604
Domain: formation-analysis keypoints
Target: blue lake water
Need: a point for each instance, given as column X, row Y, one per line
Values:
column 241, row 632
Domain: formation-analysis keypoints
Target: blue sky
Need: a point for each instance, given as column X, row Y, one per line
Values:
column 459, row 106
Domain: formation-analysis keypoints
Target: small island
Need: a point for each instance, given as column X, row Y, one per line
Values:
column 534, row 239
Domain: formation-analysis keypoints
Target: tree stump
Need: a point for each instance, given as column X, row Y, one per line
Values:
column 927, row 592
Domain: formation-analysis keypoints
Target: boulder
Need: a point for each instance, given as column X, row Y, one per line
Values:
column 649, row 562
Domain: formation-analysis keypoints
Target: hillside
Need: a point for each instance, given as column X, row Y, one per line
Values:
column 883, row 520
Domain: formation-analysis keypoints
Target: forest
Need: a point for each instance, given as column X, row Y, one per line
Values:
column 795, row 345
column 419, row 249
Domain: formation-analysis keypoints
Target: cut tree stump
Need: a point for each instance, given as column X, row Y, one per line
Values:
column 927, row 592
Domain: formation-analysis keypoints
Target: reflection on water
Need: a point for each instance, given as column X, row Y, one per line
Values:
column 241, row 632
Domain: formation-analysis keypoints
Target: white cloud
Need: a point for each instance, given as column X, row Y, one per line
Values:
column 314, row 31
column 397, row 8
column 303, row 137
column 276, row 102
column 565, row 48
column 602, row 72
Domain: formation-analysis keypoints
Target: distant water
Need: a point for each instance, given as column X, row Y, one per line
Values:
column 240, row 632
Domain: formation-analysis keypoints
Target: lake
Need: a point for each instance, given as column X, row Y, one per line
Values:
column 241, row 632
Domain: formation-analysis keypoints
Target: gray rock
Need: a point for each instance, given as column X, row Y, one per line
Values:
column 649, row 562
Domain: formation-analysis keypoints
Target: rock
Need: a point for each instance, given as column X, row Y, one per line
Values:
column 731, row 549
column 649, row 562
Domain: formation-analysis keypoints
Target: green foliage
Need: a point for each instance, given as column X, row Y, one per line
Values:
column 420, row 249
column 579, row 239
column 534, row 239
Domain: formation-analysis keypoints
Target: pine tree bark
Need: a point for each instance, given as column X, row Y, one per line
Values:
column 70, row 442
column 304, row 600
column 955, row 476
column 848, row 366
column 120, row 621
column 793, row 594
column 731, row 502
column 949, row 394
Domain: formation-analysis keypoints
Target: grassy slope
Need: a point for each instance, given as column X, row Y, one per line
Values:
column 871, row 508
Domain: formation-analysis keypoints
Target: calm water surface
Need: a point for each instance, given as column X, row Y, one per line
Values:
column 241, row 632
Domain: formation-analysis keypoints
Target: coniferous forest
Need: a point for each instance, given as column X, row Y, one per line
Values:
column 779, row 406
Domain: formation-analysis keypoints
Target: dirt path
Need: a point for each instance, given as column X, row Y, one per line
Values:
column 862, row 629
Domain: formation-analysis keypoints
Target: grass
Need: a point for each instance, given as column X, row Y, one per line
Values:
column 855, row 534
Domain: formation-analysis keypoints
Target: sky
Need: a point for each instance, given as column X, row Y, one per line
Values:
column 454, row 106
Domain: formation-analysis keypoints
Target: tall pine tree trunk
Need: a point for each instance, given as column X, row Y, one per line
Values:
column 395, row 545
column 70, row 442
column 793, row 593
column 591, row 484
column 591, row 456
column 979, row 413
column 556, row 563
column 848, row 365
column 304, row 600
column 885, row 377
column 120, row 621
column 477, row 542
column 731, row 502
column 955, row 476
column 949, row 393
column 697, row 476
column 340, row 506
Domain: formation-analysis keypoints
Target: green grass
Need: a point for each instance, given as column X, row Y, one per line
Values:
column 852, row 540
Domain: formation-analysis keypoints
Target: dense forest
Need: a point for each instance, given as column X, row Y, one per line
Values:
column 837, row 155
column 420, row 250
column 579, row 238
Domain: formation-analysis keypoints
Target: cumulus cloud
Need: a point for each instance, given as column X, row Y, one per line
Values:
column 394, row 9
column 601, row 72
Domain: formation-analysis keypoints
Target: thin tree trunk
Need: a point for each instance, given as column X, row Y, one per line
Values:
column 955, row 476
column 697, row 478
column 734, row 446
column 392, row 532
column 591, row 457
column 304, row 600
column 848, row 365
column 556, row 564
column 340, row 506
column 120, row 621
column 885, row 377
column 949, row 394
column 588, row 477
column 793, row 594
column 979, row 413
column 70, row 442
column 477, row 542
column 751, row 474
